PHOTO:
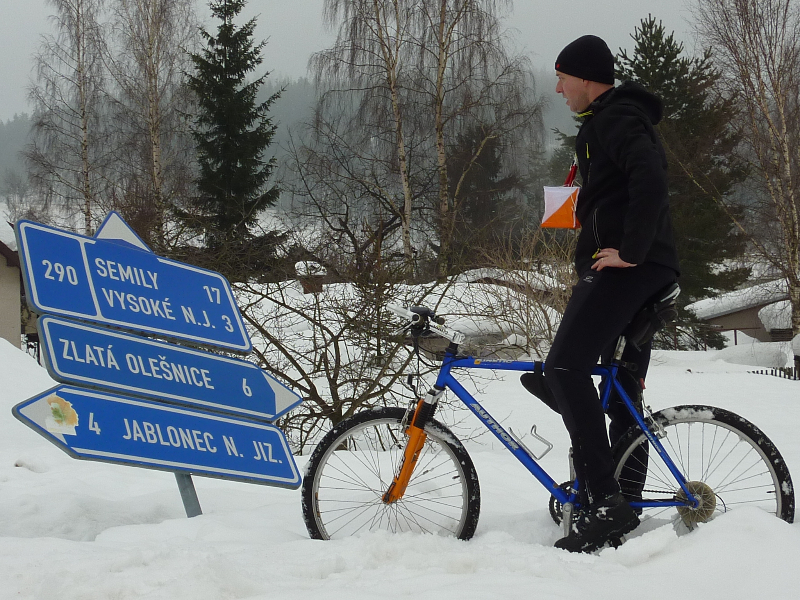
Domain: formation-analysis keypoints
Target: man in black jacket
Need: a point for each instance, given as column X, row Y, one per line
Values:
column 625, row 254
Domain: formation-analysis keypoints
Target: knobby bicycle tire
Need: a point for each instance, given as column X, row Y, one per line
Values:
column 353, row 465
column 727, row 461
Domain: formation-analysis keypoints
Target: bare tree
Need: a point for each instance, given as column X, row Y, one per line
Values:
column 337, row 189
column 67, row 155
column 469, row 79
column 149, row 59
column 527, row 295
column 16, row 192
column 367, row 55
column 333, row 343
column 756, row 46
column 413, row 74
column 367, row 186
column 323, row 345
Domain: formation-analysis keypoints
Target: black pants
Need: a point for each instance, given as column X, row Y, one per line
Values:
column 601, row 305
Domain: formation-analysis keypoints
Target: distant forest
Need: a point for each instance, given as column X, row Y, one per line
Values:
column 289, row 111
column 13, row 137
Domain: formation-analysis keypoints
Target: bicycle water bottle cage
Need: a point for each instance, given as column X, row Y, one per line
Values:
column 659, row 310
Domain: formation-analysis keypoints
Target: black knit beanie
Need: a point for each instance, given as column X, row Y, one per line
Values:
column 588, row 57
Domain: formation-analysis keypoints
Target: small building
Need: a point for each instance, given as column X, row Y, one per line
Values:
column 10, row 295
column 311, row 276
column 739, row 311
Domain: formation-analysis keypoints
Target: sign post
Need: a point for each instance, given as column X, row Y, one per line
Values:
column 123, row 430
column 189, row 495
column 96, row 357
column 133, row 400
column 113, row 284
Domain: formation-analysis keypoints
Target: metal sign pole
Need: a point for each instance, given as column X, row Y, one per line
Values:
column 188, row 495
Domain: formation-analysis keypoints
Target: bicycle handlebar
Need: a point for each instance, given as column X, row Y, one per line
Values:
column 426, row 319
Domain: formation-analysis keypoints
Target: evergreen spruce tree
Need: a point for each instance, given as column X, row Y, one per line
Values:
column 699, row 135
column 232, row 132
column 490, row 211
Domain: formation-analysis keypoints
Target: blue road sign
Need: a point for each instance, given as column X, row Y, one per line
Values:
column 118, row 284
column 110, row 428
column 96, row 357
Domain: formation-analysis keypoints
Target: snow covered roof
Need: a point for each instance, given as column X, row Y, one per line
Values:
column 731, row 302
column 534, row 279
column 8, row 238
column 777, row 315
column 307, row 268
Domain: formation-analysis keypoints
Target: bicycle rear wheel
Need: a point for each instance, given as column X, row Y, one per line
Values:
column 726, row 460
column 354, row 464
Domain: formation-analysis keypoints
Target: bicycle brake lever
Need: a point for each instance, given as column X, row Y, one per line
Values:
column 403, row 329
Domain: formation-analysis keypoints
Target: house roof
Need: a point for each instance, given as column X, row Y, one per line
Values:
column 738, row 300
column 533, row 279
column 777, row 315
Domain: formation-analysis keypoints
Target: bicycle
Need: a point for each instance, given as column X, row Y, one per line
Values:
column 399, row 469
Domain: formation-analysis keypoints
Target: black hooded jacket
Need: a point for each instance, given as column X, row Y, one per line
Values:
column 623, row 203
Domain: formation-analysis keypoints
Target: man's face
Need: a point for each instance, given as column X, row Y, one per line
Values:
column 574, row 91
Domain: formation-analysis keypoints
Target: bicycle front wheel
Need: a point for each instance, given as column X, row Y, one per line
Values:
column 354, row 464
column 726, row 460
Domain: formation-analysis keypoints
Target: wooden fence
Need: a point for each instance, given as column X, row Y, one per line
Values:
column 783, row 372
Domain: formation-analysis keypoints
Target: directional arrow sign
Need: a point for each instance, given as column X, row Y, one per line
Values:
column 97, row 357
column 105, row 427
column 117, row 284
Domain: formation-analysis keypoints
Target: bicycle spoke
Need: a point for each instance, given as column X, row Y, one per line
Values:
column 723, row 464
column 358, row 466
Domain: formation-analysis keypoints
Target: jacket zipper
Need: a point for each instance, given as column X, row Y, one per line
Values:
column 595, row 231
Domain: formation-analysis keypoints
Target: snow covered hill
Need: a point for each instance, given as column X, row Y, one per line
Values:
column 80, row 530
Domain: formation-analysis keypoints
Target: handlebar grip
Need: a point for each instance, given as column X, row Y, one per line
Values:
column 416, row 314
column 400, row 311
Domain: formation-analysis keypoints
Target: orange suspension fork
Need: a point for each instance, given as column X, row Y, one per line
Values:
column 416, row 440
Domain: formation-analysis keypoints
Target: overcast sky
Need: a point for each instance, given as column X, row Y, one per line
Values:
column 294, row 28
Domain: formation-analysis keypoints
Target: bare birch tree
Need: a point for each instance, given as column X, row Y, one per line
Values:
column 756, row 46
column 367, row 55
column 67, row 153
column 468, row 78
column 152, row 38
column 417, row 73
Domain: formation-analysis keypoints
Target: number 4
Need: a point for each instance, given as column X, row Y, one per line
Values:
column 93, row 425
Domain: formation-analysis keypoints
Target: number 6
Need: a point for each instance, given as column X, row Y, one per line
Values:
column 246, row 389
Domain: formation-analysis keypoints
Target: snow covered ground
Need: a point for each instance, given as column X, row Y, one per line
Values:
column 73, row 529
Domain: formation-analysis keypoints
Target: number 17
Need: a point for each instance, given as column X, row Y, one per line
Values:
column 213, row 294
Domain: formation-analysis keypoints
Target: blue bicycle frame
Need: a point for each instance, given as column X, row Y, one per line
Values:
column 445, row 379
